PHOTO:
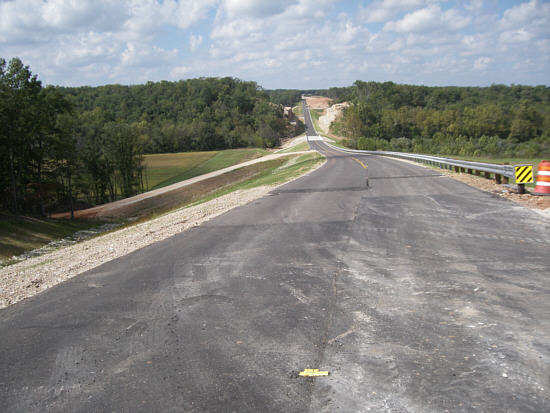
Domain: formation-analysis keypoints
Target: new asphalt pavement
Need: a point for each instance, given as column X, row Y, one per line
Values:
column 417, row 293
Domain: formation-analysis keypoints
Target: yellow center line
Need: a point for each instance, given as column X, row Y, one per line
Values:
column 360, row 163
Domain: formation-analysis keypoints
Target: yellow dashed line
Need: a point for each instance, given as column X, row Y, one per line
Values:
column 313, row 373
column 360, row 163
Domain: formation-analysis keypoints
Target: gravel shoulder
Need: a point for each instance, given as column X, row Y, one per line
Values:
column 32, row 276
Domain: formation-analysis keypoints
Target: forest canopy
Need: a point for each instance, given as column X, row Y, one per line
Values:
column 469, row 121
column 58, row 144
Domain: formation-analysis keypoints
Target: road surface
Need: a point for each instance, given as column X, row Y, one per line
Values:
column 417, row 293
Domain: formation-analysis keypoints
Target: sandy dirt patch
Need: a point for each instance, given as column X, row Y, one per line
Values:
column 318, row 102
column 289, row 143
column 331, row 114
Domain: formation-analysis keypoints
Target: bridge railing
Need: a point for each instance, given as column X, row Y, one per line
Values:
column 502, row 173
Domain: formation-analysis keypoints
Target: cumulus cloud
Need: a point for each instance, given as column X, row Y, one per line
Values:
column 482, row 63
column 429, row 19
column 195, row 41
column 513, row 36
column 382, row 11
column 524, row 13
column 256, row 8
column 279, row 43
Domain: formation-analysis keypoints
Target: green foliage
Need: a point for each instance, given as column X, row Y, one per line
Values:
column 188, row 115
column 60, row 145
column 37, row 151
column 285, row 97
column 509, row 120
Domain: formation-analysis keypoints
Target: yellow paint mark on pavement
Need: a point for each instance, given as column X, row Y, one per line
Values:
column 360, row 163
column 313, row 373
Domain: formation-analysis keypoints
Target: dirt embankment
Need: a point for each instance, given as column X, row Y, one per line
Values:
column 331, row 114
column 318, row 102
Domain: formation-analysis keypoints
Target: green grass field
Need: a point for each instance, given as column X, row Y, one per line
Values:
column 304, row 146
column 315, row 114
column 24, row 234
column 168, row 168
column 297, row 110
column 277, row 171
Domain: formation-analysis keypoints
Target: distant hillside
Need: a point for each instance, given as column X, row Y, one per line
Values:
column 194, row 114
column 495, row 120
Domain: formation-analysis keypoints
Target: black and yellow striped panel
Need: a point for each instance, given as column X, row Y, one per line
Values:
column 524, row 174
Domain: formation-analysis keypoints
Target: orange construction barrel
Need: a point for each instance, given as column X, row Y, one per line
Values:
column 542, row 186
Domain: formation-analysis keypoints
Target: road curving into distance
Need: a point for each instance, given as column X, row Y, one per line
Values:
column 417, row 293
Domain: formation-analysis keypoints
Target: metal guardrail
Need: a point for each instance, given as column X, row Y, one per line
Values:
column 502, row 173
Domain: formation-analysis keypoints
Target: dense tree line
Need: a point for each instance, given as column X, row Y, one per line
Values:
column 496, row 120
column 194, row 114
column 48, row 151
column 58, row 144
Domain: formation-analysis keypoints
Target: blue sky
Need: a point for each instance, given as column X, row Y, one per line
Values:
column 280, row 43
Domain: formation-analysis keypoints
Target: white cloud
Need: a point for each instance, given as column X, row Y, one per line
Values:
column 279, row 43
column 514, row 36
column 256, row 8
column 523, row 13
column 481, row 63
column 195, row 41
column 428, row 19
column 179, row 72
column 382, row 11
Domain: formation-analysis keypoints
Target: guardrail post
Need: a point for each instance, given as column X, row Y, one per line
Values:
column 505, row 179
column 470, row 171
column 498, row 178
column 488, row 175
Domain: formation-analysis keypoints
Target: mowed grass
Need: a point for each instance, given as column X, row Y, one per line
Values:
column 297, row 110
column 304, row 146
column 24, row 234
column 166, row 169
column 18, row 235
column 262, row 173
column 315, row 114
column 285, row 169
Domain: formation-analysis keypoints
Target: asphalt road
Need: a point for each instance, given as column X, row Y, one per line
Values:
column 417, row 293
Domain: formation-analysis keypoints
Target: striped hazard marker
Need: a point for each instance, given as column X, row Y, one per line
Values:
column 524, row 174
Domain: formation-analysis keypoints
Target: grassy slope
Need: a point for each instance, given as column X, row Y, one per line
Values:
column 166, row 169
column 298, row 110
column 304, row 146
column 30, row 233
column 315, row 114
column 24, row 234
column 291, row 167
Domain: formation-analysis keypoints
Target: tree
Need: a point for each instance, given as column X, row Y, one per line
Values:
column 125, row 151
column 19, row 90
